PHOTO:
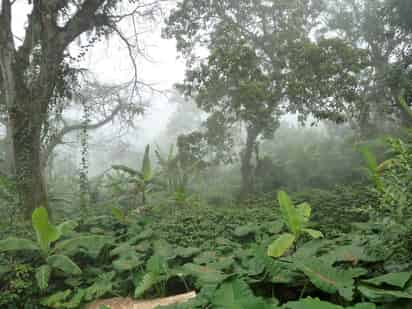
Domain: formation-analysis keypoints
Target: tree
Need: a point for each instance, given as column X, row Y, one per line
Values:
column 37, row 71
column 369, row 25
column 400, row 12
column 234, row 85
column 250, row 75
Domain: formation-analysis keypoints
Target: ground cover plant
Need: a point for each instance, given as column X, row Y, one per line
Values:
column 275, row 173
column 222, row 254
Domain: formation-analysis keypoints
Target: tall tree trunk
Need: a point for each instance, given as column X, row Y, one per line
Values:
column 8, row 166
column 247, row 168
column 26, row 138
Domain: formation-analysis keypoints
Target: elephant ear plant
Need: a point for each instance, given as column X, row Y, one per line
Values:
column 296, row 218
column 51, row 252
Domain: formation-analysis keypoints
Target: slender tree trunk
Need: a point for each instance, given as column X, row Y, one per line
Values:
column 247, row 169
column 364, row 121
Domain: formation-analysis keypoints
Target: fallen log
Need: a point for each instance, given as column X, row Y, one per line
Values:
column 128, row 303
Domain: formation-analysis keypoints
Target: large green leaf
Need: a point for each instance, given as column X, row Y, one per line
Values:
column 236, row 294
column 315, row 303
column 146, row 165
column 103, row 285
column 328, row 278
column 67, row 227
column 55, row 300
column 289, row 213
column 353, row 253
column 127, row 262
column 313, row 233
column 245, row 230
column 75, row 301
column 311, row 303
column 43, row 276
column 64, row 263
column 372, row 166
column 157, row 264
column 187, row 252
column 304, row 210
column 122, row 249
column 126, row 170
column 382, row 295
column 363, row 306
column 46, row 233
column 118, row 214
column 395, row 279
column 17, row 244
column 281, row 245
column 146, row 283
column 205, row 275
column 90, row 244
column 4, row 269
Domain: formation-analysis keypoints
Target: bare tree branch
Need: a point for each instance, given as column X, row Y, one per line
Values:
column 57, row 138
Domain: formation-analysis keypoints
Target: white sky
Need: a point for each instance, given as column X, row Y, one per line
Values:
column 160, row 68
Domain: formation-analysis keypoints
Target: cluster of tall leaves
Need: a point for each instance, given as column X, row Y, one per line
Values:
column 53, row 251
column 392, row 181
column 175, row 171
column 141, row 180
column 393, row 178
column 296, row 219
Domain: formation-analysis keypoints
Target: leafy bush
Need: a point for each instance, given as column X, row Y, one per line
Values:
column 296, row 219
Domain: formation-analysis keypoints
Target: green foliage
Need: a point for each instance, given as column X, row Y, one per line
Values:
column 142, row 180
column 157, row 272
column 18, row 284
column 237, row 294
column 295, row 218
column 15, row 244
column 394, row 279
column 43, row 276
column 54, row 256
column 178, row 169
column 329, row 279
column 46, row 233
column 341, row 61
column 301, row 157
column 221, row 253
column 392, row 180
column 315, row 303
column 281, row 245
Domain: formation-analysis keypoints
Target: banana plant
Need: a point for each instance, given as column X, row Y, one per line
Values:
column 177, row 175
column 168, row 165
column 296, row 218
column 143, row 179
column 46, row 235
column 156, row 275
column 373, row 169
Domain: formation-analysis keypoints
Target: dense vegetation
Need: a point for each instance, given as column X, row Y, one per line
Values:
column 282, row 180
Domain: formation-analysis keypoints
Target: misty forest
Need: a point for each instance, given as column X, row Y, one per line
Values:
column 228, row 154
